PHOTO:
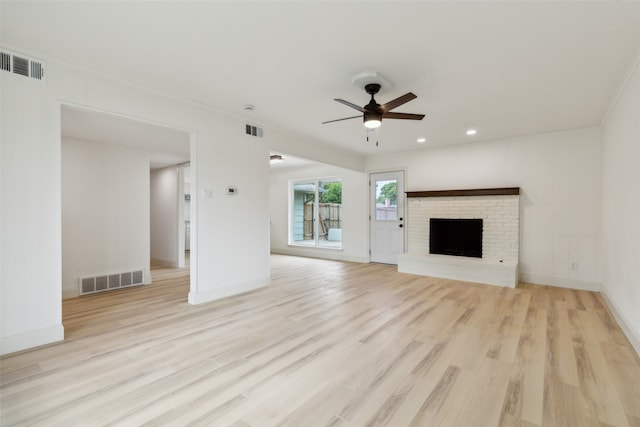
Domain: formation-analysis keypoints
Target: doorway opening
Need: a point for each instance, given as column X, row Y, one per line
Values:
column 107, row 165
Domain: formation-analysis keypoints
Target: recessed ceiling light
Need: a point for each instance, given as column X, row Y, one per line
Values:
column 471, row 132
column 422, row 140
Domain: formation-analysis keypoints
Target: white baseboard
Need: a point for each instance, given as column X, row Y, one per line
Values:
column 31, row 339
column 320, row 253
column 227, row 291
column 559, row 282
column 70, row 293
column 632, row 335
column 165, row 262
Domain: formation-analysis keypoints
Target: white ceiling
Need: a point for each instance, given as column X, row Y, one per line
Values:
column 504, row 68
column 166, row 146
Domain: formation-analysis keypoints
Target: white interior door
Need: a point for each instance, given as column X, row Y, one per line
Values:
column 387, row 216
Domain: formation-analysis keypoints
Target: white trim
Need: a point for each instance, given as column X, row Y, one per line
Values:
column 322, row 253
column 30, row 339
column 227, row 291
column 316, row 202
column 70, row 293
column 193, row 232
column 632, row 336
column 171, row 263
column 560, row 282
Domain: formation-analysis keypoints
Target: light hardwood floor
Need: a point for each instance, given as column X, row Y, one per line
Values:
column 330, row 343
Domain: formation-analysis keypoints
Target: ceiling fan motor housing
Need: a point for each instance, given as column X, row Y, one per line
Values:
column 372, row 115
column 372, row 88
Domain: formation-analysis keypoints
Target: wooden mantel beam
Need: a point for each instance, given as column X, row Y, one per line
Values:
column 507, row 191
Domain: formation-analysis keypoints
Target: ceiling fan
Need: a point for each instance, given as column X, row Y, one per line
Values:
column 373, row 113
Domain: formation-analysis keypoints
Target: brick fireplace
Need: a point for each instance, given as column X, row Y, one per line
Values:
column 499, row 209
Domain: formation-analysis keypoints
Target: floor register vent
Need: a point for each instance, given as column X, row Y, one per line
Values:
column 109, row 282
column 21, row 64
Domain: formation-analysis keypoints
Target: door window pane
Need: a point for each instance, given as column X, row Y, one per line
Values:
column 387, row 200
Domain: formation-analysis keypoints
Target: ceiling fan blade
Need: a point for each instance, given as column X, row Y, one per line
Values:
column 404, row 116
column 397, row 102
column 349, row 104
column 346, row 118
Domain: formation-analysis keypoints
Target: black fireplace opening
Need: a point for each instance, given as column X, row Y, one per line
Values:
column 458, row 237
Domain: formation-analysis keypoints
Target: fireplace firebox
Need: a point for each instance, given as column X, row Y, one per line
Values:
column 455, row 236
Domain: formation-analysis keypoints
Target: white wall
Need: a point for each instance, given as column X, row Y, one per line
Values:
column 621, row 207
column 105, row 211
column 559, row 175
column 355, row 211
column 164, row 216
column 231, row 232
column 30, row 215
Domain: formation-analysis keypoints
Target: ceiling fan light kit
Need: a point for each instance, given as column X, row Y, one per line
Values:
column 372, row 123
column 372, row 120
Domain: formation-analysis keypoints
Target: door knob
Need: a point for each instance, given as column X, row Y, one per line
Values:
column 400, row 225
column 401, row 218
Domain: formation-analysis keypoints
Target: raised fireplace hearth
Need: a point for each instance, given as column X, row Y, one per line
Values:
column 470, row 235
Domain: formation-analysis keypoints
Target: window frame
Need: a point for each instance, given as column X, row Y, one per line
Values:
column 317, row 241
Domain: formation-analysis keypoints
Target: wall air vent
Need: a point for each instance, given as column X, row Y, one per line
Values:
column 108, row 282
column 21, row 64
column 253, row 131
column 5, row 61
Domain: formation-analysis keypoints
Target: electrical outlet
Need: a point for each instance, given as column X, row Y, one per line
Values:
column 573, row 265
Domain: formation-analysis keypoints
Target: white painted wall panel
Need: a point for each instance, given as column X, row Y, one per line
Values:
column 105, row 211
column 621, row 207
column 30, row 276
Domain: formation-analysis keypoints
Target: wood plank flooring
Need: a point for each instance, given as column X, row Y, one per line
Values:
column 330, row 344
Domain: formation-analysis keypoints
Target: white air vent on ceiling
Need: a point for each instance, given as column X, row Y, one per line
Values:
column 108, row 282
column 21, row 64
column 253, row 131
